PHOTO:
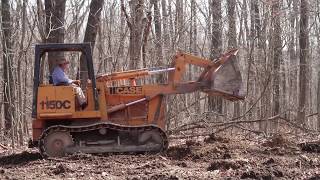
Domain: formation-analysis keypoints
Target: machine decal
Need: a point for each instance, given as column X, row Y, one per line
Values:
column 55, row 104
column 126, row 90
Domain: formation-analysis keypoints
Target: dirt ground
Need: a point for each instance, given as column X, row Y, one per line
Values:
column 202, row 158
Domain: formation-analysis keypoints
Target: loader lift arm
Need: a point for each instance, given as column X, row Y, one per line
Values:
column 206, row 82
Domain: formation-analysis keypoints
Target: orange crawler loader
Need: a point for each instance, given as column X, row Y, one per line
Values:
column 123, row 113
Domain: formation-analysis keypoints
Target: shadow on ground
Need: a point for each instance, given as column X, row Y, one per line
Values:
column 20, row 158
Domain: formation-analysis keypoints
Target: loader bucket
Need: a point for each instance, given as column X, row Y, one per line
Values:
column 224, row 79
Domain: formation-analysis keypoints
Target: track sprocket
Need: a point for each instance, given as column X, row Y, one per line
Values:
column 55, row 143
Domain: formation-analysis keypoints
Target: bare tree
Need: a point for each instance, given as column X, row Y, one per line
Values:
column 90, row 35
column 158, row 32
column 9, row 87
column 165, row 32
column 179, row 35
column 193, row 49
column 55, row 12
column 20, row 81
column 136, row 23
column 276, row 55
column 292, row 93
column 215, row 103
column 303, row 70
column 145, row 35
column 318, row 101
column 232, row 40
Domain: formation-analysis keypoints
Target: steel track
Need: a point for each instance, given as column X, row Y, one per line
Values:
column 97, row 126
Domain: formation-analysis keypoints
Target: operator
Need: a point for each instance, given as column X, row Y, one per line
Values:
column 59, row 77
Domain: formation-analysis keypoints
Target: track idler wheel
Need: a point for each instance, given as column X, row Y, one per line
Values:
column 56, row 142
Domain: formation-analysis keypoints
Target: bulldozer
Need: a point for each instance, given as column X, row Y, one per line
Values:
column 123, row 114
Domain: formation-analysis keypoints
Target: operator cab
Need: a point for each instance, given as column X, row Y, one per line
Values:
column 59, row 101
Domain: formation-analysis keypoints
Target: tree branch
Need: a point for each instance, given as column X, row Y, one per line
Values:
column 3, row 147
column 126, row 15
column 146, row 33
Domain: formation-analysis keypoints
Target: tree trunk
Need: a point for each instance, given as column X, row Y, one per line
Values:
column 90, row 36
column 318, row 70
column 145, row 36
column 232, row 42
column 216, row 41
column 8, row 87
column 318, row 101
column 136, row 23
column 179, row 24
column 171, row 26
column 232, row 30
column 41, row 25
column 292, row 92
column 277, row 57
column 55, row 11
column 303, row 70
column 215, row 103
column 158, row 41
column 123, row 31
column 165, row 22
column 158, row 33
column 193, row 49
column 20, row 80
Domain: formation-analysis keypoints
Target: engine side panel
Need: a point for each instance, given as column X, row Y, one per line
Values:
column 55, row 100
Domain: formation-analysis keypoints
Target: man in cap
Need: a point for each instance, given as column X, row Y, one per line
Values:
column 59, row 77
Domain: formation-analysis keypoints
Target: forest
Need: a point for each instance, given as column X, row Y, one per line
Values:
column 278, row 43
